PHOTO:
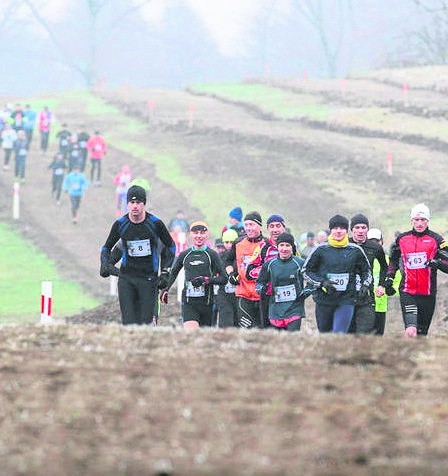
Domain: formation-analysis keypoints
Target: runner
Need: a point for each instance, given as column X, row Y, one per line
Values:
column 21, row 149
column 83, row 137
column 309, row 245
column 9, row 136
column 58, row 167
column 45, row 120
column 122, row 182
column 363, row 321
column 419, row 254
column 240, row 255
column 203, row 269
column 97, row 148
column 226, row 300
column 381, row 300
column 75, row 183
column 29, row 122
column 147, row 245
column 234, row 221
column 63, row 137
column 283, row 275
column 265, row 251
column 333, row 268
column 321, row 237
column 17, row 118
column 74, row 153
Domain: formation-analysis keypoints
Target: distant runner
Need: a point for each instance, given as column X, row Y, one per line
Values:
column 75, row 184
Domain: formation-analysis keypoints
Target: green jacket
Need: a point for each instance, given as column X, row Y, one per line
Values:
column 381, row 302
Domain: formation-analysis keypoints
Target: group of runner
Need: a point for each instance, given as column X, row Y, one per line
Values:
column 252, row 281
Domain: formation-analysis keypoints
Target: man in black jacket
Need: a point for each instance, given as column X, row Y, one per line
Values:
column 363, row 321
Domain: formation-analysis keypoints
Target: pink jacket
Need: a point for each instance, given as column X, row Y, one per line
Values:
column 97, row 147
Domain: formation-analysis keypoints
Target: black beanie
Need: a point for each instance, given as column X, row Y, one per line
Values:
column 287, row 238
column 137, row 193
column 357, row 219
column 254, row 216
column 338, row 221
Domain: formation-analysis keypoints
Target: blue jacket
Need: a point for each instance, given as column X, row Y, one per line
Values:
column 75, row 183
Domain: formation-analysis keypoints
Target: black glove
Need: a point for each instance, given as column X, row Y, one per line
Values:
column 234, row 278
column 389, row 286
column 199, row 281
column 364, row 291
column 328, row 287
column 433, row 264
column 104, row 271
column 164, row 296
column 163, row 279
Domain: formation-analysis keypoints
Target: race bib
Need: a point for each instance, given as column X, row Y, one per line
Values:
column 76, row 186
column 229, row 288
column 416, row 260
column 22, row 152
column 285, row 293
column 340, row 280
column 195, row 292
column 98, row 147
column 245, row 260
column 75, row 153
column 83, row 144
column 215, row 289
column 64, row 142
column 58, row 171
column 139, row 248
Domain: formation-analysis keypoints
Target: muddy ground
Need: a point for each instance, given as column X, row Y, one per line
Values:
column 88, row 396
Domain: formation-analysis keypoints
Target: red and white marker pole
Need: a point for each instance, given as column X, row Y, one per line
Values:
column 405, row 93
column 151, row 107
column 191, row 109
column 389, row 159
column 46, row 301
column 16, row 201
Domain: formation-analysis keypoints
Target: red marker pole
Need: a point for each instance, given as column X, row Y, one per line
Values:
column 46, row 301
column 343, row 85
column 191, row 109
column 151, row 107
column 389, row 159
column 405, row 93
column 16, row 201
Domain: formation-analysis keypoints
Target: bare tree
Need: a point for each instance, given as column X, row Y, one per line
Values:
column 87, row 65
column 318, row 15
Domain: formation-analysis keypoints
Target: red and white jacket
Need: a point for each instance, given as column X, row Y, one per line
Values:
column 411, row 255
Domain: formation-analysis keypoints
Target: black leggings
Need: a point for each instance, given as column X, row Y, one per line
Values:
column 417, row 311
column 200, row 312
column 249, row 314
column 137, row 296
column 95, row 164
column 8, row 153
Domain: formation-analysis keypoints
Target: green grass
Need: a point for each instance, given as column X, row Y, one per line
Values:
column 20, row 285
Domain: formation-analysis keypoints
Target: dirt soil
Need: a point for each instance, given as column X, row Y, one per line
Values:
column 91, row 397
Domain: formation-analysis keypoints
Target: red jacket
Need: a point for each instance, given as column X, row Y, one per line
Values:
column 97, row 147
column 411, row 254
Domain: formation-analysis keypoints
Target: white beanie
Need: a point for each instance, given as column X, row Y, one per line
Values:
column 420, row 211
column 375, row 233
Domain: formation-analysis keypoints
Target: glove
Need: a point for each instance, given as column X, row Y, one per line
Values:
column 389, row 286
column 433, row 264
column 164, row 296
column 163, row 279
column 364, row 291
column 234, row 278
column 104, row 271
column 328, row 287
column 306, row 292
column 199, row 281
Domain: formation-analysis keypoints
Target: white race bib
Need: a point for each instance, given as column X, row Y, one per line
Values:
column 83, row 144
column 339, row 280
column 285, row 293
column 22, row 152
column 245, row 260
column 64, row 142
column 98, row 147
column 195, row 292
column 139, row 248
column 229, row 288
column 75, row 153
column 215, row 289
column 416, row 260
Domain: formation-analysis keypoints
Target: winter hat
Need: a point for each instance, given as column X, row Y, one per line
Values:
column 276, row 219
column 137, row 193
column 420, row 211
column 254, row 216
column 199, row 226
column 374, row 233
column 287, row 238
column 310, row 234
column 236, row 213
column 358, row 220
column 229, row 235
column 338, row 221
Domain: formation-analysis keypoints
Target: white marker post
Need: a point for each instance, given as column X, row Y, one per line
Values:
column 113, row 288
column 46, row 301
column 16, row 201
